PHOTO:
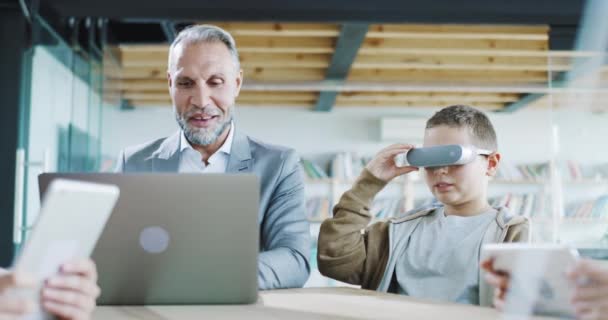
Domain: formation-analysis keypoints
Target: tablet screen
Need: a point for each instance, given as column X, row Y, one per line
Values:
column 538, row 282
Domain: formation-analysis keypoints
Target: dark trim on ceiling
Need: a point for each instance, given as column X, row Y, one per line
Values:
column 169, row 30
column 352, row 36
column 558, row 12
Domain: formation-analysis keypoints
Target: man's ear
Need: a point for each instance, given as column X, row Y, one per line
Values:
column 493, row 161
column 169, row 80
column 239, row 83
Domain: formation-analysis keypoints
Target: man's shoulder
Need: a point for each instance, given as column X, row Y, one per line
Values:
column 261, row 149
column 262, row 146
column 144, row 150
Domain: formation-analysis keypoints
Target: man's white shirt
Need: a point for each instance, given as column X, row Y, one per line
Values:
column 191, row 161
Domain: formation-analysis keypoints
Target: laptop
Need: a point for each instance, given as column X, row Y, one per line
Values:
column 176, row 239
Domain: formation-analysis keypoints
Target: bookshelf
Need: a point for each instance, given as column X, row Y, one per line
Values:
column 323, row 194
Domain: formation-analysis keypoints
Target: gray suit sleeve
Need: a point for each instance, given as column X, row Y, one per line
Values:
column 120, row 163
column 284, row 260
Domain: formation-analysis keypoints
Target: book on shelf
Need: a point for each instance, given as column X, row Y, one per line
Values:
column 528, row 204
column 313, row 170
column 575, row 170
column 344, row 166
column 532, row 172
column 589, row 209
column 600, row 171
column 348, row 165
column 533, row 205
column 318, row 208
column 571, row 171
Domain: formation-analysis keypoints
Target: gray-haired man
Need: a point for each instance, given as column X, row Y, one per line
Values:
column 204, row 80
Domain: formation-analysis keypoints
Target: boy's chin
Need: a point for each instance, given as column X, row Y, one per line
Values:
column 448, row 199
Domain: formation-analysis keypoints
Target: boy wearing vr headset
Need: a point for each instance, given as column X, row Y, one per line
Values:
column 431, row 252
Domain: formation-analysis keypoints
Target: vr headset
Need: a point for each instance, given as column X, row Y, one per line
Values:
column 439, row 156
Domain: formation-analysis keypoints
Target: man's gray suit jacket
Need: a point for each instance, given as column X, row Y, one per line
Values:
column 284, row 230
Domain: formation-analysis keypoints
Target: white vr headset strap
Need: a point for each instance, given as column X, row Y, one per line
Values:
column 470, row 152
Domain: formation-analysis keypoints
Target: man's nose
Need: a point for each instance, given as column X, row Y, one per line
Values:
column 202, row 96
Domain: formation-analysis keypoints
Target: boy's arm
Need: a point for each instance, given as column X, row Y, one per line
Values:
column 349, row 250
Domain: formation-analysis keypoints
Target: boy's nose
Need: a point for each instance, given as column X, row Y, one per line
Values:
column 440, row 170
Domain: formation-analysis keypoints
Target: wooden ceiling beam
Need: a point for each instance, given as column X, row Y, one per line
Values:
column 460, row 28
column 478, row 76
column 252, row 45
column 416, row 104
column 419, row 51
column 238, row 29
column 373, row 61
column 392, row 31
column 462, row 32
column 167, row 103
column 459, row 67
column 256, row 73
column 428, row 96
column 354, row 86
column 244, row 96
column 268, row 42
column 159, row 52
column 290, row 60
column 474, row 44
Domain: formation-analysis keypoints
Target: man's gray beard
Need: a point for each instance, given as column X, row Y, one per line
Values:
column 202, row 137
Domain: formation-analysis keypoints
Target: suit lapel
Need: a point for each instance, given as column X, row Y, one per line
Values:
column 166, row 158
column 240, row 160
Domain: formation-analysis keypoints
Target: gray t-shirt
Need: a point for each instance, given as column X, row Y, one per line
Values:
column 441, row 260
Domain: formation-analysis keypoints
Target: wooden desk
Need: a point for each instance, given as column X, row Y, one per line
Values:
column 311, row 303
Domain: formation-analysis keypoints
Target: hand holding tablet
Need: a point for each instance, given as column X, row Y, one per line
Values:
column 72, row 216
column 534, row 277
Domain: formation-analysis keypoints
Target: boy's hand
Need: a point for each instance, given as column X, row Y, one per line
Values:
column 383, row 165
column 12, row 307
column 499, row 280
column 590, row 298
column 71, row 294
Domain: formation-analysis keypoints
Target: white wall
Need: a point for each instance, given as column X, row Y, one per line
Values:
column 524, row 136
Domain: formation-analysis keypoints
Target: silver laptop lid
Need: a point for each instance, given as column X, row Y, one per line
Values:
column 177, row 238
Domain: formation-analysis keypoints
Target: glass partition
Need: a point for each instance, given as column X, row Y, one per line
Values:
column 61, row 129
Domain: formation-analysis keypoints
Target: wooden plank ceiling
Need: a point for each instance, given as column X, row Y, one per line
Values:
column 279, row 53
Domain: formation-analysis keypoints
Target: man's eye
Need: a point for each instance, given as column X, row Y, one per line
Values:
column 217, row 82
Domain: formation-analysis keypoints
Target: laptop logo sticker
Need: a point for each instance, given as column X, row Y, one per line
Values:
column 154, row 239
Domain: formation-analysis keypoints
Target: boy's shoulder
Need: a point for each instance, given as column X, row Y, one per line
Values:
column 504, row 217
column 416, row 213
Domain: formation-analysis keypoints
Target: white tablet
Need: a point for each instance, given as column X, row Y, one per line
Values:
column 72, row 217
column 538, row 276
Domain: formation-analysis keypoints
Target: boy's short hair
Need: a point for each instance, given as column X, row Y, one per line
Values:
column 461, row 116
